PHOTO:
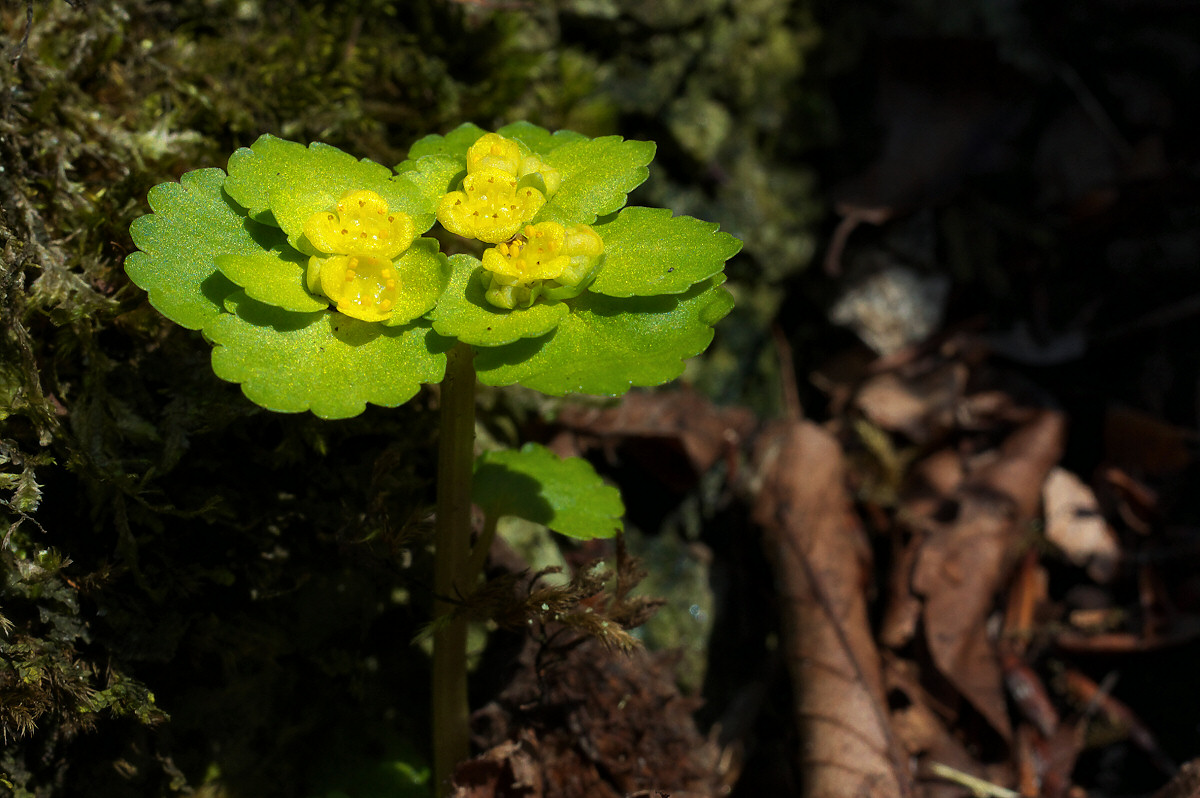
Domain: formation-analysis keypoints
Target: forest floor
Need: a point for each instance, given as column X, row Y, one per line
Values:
column 937, row 535
column 978, row 519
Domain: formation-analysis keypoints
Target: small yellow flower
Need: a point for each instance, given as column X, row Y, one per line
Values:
column 534, row 171
column 537, row 255
column 546, row 259
column 363, row 286
column 491, row 207
column 361, row 225
column 362, row 238
column 493, row 151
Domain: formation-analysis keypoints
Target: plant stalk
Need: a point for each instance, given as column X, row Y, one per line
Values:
column 456, row 457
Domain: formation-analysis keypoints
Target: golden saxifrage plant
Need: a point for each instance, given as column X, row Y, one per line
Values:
column 308, row 271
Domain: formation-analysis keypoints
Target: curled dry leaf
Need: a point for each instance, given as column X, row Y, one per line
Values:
column 963, row 564
column 818, row 550
column 921, row 731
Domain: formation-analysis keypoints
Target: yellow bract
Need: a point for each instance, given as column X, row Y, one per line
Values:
column 363, row 237
column 490, row 206
column 545, row 260
column 363, row 286
column 361, row 225
column 537, row 256
column 533, row 167
column 493, row 151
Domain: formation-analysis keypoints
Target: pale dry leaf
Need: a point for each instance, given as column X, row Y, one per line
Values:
column 920, row 406
column 1076, row 525
column 821, row 560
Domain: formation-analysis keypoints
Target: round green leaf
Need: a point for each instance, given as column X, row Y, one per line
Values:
column 325, row 362
column 455, row 143
column 647, row 251
column 192, row 222
column 276, row 278
column 566, row 495
column 538, row 139
column 597, row 174
column 423, row 274
column 433, row 176
column 281, row 182
column 607, row 345
column 465, row 314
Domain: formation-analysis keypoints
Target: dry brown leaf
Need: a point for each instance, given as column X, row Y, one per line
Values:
column 921, row 406
column 509, row 770
column 921, row 731
column 958, row 571
column 963, row 565
column 1026, row 458
column 821, row 560
column 1186, row 783
column 684, row 421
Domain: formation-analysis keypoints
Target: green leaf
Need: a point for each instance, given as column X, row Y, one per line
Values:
column 433, row 175
column 597, row 174
column 566, row 495
column 283, row 183
column 463, row 313
column 192, row 222
column 423, row 272
column 538, row 139
column 455, row 143
column 325, row 362
column 607, row 345
column 276, row 278
column 648, row 252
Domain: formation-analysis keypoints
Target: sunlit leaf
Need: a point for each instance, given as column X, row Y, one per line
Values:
column 276, row 278
column 607, row 345
column 647, row 251
column 281, row 182
column 538, row 139
column 325, row 362
column 193, row 222
column 455, row 143
column 597, row 174
column 566, row 495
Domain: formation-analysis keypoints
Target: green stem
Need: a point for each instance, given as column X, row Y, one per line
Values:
column 456, row 456
column 479, row 553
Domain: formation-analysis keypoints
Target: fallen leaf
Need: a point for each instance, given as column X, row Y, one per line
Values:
column 679, row 434
column 821, row 560
column 963, row 564
column 920, row 406
column 958, row 571
column 1186, row 783
column 1076, row 525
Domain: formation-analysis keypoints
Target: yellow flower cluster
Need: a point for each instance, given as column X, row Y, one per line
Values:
column 362, row 239
column 500, row 193
column 504, row 189
column 546, row 260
